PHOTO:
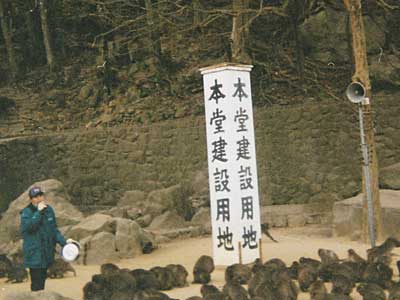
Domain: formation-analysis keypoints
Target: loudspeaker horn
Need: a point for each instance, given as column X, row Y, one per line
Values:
column 355, row 92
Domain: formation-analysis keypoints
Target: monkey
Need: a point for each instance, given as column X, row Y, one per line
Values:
column 257, row 265
column 211, row 292
column 318, row 291
column 357, row 269
column 5, row 265
column 285, row 290
column 202, row 269
column 265, row 230
column 165, row 277
column 383, row 250
column 59, row 268
column 108, row 268
column 17, row 274
column 326, row 272
column 379, row 274
column 342, row 285
column 180, row 275
column 354, row 257
column 151, row 295
column 371, row 291
column 234, row 291
column 306, row 276
column 237, row 273
column 315, row 264
column 327, row 256
column 275, row 263
column 92, row 291
column 294, row 269
column 145, row 279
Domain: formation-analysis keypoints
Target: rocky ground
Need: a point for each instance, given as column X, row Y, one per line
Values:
column 293, row 243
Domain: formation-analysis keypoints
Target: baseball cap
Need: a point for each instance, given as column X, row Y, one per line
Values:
column 35, row 191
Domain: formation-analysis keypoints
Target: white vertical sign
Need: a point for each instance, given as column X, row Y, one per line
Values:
column 232, row 167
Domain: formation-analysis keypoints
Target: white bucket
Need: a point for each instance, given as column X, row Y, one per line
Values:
column 70, row 252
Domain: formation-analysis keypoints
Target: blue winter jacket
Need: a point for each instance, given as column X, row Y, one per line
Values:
column 40, row 235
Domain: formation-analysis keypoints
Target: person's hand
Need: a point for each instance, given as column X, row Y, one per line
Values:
column 41, row 206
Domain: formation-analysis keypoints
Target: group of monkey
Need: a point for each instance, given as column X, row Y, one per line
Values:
column 273, row 280
column 15, row 271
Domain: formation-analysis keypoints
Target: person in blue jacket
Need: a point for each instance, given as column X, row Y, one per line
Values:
column 40, row 235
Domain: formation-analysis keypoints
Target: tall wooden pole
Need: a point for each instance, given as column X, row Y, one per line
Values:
column 362, row 75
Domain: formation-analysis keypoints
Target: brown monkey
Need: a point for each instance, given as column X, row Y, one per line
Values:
column 327, row 256
column 371, row 291
column 108, row 268
column 237, row 273
column 265, row 230
column 202, row 269
column 59, row 268
column 180, row 274
column 384, row 250
column 354, row 257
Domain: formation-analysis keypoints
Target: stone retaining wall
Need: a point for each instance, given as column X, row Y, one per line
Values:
column 305, row 154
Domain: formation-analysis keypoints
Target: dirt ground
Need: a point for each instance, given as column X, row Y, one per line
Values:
column 293, row 243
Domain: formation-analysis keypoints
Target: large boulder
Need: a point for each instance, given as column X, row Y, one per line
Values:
column 347, row 215
column 40, row 295
column 127, row 238
column 176, row 197
column 91, row 225
column 389, row 177
column 56, row 196
column 106, row 239
column 202, row 217
column 167, row 221
column 100, row 249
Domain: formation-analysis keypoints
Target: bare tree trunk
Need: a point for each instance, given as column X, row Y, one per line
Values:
column 153, row 27
column 47, row 39
column 362, row 75
column 239, row 32
column 7, row 35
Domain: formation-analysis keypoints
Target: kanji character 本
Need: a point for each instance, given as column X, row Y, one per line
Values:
column 218, row 119
column 241, row 117
column 216, row 94
column 223, row 209
column 245, row 178
column 243, row 149
column 225, row 238
column 219, row 152
column 250, row 238
column 247, row 207
column 221, row 180
column 239, row 90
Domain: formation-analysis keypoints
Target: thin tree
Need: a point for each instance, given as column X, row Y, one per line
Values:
column 240, row 30
column 47, row 38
